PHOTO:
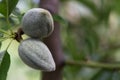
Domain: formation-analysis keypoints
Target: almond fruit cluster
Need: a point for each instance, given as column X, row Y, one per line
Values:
column 37, row 23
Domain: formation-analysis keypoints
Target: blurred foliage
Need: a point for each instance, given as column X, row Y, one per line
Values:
column 6, row 6
column 116, row 6
column 4, row 66
column 90, row 37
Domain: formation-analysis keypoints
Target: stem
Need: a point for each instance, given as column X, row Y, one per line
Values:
column 7, row 15
column 2, row 39
column 53, row 42
column 7, row 12
column 18, row 35
column 5, row 32
column 93, row 64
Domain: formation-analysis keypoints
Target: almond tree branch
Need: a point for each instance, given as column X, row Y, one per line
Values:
column 93, row 64
column 54, row 42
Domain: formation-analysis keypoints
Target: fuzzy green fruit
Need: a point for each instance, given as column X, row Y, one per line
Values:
column 37, row 23
column 36, row 55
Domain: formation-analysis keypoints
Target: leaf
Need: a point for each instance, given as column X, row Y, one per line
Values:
column 4, row 66
column 115, row 5
column 7, row 6
column 60, row 20
column 92, row 41
column 73, row 50
column 89, row 4
column 0, row 44
column 74, row 70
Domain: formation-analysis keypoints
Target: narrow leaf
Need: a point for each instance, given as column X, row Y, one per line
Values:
column 7, row 6
column 0, row 44
column 60, row 20
column 4, row 66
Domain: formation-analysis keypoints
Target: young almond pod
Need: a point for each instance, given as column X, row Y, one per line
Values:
column 37, row 23
column 36, row 55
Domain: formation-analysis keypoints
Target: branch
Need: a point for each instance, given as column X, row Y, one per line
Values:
column 18, row 35
column 113, row 46
column 93, row 64
column 54, row 42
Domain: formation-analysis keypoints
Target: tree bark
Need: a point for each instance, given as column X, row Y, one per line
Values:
column 54, row 42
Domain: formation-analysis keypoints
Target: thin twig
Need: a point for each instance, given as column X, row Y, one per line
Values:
column 18, row 35
column 3, row 31
column 93, row 64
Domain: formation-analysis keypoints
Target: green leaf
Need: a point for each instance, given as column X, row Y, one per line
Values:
column 74, row 70
column 60, row 20
column 115, row 5
column 7, row 6
column 90, row 5
column 0, row 44
column 4, row 66
column 92, row 40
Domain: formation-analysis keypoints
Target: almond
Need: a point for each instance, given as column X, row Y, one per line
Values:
column 36, row 55
column 37, row 23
